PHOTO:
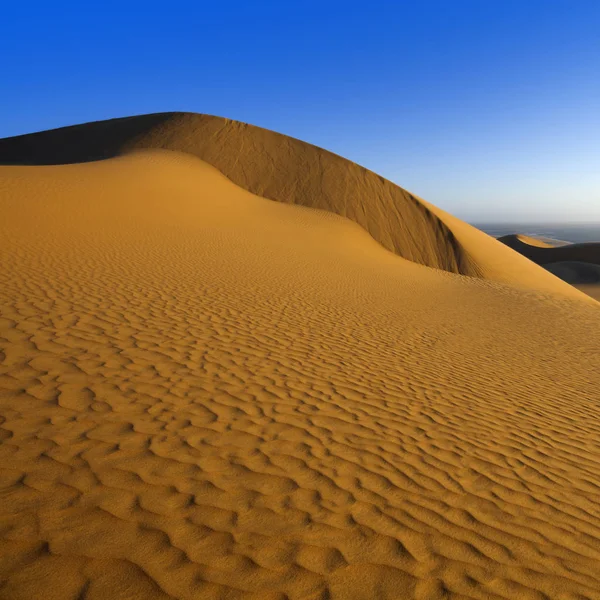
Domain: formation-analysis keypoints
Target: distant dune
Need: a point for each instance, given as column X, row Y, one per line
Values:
column 577, row 264
column 345, row 393
column 575, row 272
column 545, row 252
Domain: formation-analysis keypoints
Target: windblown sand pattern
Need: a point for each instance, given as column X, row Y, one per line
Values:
column 209, row 394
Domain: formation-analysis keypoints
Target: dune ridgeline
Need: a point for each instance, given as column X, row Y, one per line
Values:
column 235, row 365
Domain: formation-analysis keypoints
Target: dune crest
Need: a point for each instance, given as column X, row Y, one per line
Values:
column 285, row 169
column 546, row 253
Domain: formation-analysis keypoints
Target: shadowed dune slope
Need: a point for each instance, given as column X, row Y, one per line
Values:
column 545, row 253
column 575, row 272
column 266, row 163
column 205, row 394
column 284, row 169
column 576, row 264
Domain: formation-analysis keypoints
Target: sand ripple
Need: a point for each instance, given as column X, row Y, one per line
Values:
column 205, row 394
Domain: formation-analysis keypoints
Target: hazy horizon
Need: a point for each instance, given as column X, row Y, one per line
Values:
column 540, row 223
column 488, row 110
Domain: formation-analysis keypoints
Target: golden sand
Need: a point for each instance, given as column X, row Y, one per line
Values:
column 208, row 394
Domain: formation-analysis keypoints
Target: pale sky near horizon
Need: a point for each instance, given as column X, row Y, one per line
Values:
column 490, row 109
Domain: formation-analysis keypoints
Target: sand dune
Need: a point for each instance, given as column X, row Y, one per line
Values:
column 538, row 241
column 281, row 168
column 576, row 264
column 207, row 394
column 546, row 253
column 574, row 272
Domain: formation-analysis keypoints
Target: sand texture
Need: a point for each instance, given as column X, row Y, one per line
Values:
column 209, row 394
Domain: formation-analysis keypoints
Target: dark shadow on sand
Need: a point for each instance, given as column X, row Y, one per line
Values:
column 77, row 143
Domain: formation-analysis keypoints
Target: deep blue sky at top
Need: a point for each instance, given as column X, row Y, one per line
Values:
column 488, row 108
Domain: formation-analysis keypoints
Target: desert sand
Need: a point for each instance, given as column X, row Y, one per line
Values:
column 235, row 365
column 576, row 264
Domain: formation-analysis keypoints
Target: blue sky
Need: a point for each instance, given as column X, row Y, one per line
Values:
column 488, row 108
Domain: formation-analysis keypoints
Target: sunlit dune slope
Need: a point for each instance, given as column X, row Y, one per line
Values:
column 281, row 168
column 532, row 241
column 542, row 241
column 206, row 394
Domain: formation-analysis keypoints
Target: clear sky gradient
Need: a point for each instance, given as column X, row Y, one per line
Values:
column 488, row 108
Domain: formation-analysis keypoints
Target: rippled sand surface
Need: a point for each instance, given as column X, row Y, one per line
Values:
column 210, row 394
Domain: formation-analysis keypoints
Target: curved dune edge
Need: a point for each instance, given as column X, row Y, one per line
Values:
column 501, row 264
column 541, row 242
column 537, row 242
column 285, row 169
column 209, row 395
